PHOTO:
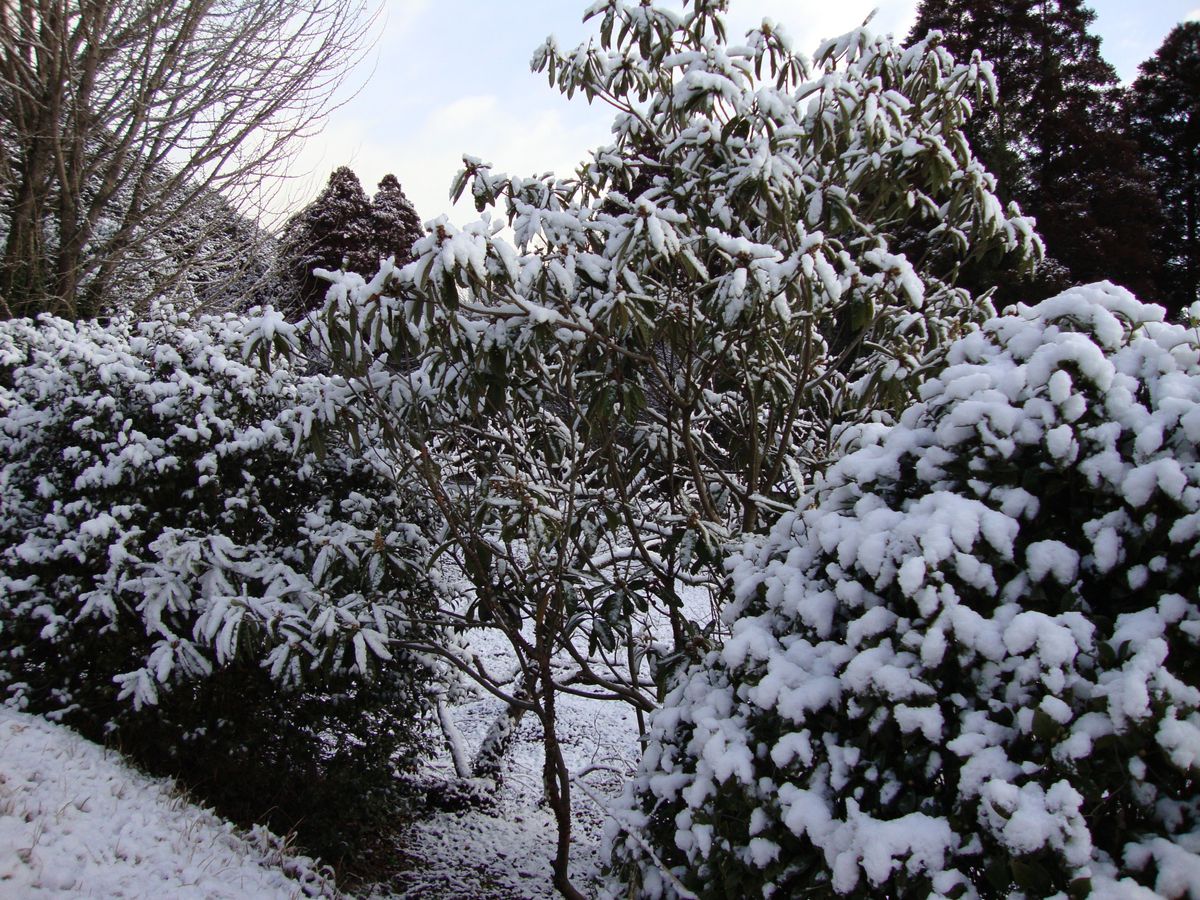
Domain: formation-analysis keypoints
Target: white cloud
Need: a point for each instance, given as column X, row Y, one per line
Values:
column 518, row 140
column 463, row 113
column 819, row 21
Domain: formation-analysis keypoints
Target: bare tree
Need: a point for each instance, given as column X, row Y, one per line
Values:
column 120, row 117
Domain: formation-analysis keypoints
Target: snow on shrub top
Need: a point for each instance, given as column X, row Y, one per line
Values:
column 969, row 665
column 162, row 493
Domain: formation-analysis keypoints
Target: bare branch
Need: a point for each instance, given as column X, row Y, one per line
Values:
column 121, row 117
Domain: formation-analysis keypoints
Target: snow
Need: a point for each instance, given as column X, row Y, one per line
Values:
column 170, row 399
column 504, row 847
column 905, row 561
column 76, row 821
column 929, row 553
column 822, row 563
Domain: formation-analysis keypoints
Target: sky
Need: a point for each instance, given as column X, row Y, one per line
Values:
column 451, row 77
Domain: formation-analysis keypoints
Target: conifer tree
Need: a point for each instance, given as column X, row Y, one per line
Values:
column 1052, row 139
column 396, row 223
column 1164, row 114
column 1096, row 207
column 343, row 229
column 332, row 232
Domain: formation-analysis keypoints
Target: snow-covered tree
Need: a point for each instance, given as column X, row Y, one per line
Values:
column 967, row 664
column 121, row 116
column 151, row 473
column 681, row 330
column 396, row 225
column 707, row 338
column 342, row 229
column 333, row 232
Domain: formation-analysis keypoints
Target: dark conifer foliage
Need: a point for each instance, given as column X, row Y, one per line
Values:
column 396, row 223
column 332, row 232
column 1164, row 115
column 343, row 229
column 1053, row 139
column 1096, row 207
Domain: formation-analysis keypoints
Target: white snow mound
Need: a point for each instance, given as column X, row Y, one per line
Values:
column 77, row 821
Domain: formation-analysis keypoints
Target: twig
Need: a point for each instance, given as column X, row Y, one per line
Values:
column 682, row 891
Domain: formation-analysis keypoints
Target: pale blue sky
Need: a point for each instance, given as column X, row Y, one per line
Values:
column 449, row 77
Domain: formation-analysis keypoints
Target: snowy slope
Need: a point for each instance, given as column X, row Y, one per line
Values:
column 76, row 821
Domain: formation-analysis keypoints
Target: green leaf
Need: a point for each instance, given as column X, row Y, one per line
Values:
column 1044, row 726
column 1032, row 877
column 459, row 185
column 449, row 291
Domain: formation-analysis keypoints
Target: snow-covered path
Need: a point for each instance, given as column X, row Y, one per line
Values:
column 504, row 851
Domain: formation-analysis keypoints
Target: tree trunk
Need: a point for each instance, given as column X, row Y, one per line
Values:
column 557, row 781
column 23, row 280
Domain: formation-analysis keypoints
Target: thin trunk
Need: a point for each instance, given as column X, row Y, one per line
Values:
column 67, row 261
column 454, row 740
column 557, row 781
column 1192, row 233
column 635, row 665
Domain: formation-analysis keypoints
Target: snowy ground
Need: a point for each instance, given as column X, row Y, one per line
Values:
column 76, row 821
column 504, row 851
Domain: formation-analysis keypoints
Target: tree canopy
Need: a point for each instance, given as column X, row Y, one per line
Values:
column 657, row 353
column 342, row 229
column 1053, row 138
column 1164, row 115
column 121, row 118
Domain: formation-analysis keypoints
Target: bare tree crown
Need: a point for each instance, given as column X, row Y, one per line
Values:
column 121, row 117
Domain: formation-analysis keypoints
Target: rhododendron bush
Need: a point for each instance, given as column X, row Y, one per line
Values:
column 768, row 251
column 192, row 567
column 610, row 375
column 969, row 663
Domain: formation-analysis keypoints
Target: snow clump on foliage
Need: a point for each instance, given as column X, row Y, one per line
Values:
column 166, row 511
column 968, row 665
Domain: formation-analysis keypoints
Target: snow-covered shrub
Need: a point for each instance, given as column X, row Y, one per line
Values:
column 658, row 349
column 970, row 666
column 181, row 572
column 664, row 345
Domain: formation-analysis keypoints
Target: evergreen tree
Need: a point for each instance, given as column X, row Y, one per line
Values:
column 1096, row 207
column 334, row 231
column 1164, row 114
column 962, row 667
column 342, row 229
column 1052, row 139
column 396, row 223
